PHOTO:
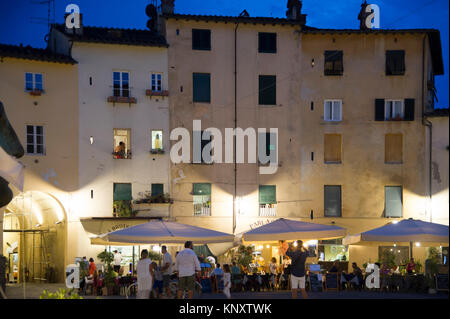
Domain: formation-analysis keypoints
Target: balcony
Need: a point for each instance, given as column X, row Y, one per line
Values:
column 152, row 205
column 122, row 155
column 122, row 99
column 157, row 151
column 267, row 210
column 163, row 93
column 35, row 92
column 202, row 209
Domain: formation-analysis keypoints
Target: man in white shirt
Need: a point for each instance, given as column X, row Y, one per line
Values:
column 187, row 264
column 117, row 261
column 166, row 269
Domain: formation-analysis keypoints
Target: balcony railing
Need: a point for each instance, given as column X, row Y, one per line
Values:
column 202, row 210
column 267, row 210
column 122, row 155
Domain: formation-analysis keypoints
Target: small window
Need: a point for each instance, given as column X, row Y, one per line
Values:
column 157, row 140
column 332, row 110
column 33, row 81
column 122, row 198
column 202, row 199
column 121, row 84
column 35, row 140
column 393, row 201
column 334, row 64
column 157, row 189
column 202, row 87
column 393, row 110
column 201, row 39
column 333, row 200
column 395, row 62
column 267, row 42
column 122, row 144
column 156, row 82
column 267, row 90
column 393, row 148
column 332, row 148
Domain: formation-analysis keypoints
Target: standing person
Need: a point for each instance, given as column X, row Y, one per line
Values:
column 226, row 281
column 158, row 282
column 187, row 265
column 273, row 272
column 298, row 256
column 144, row 276
column 117, row 261
column 166, row 270
column 92, row 267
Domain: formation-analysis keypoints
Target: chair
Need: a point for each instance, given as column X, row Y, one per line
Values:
column 89, row 282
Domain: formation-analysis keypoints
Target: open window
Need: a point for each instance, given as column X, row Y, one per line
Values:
column 122, row 144
column 157, row 142
column 202, row 199
column 334, row 64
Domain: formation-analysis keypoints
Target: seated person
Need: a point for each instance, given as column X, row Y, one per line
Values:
column 355, row 277
column 411, row 267
column 335, row 267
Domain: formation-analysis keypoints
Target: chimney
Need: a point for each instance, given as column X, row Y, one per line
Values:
column 294, row 9
column 362, row 16
column 74, row 25
column 167, row 6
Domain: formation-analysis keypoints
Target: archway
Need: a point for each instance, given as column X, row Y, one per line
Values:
column 34, row 238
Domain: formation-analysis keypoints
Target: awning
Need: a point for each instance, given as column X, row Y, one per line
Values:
column 286, row 229
column 162, row 232
column 103, row 225
column 407, row 230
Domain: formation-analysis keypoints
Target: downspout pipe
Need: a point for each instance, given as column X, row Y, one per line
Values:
column 429, row 125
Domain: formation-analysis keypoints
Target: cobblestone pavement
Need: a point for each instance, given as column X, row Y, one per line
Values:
column 33, row 291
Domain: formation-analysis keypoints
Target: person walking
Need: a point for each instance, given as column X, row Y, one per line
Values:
column 144, row 276
column 117, row 261
column 227, row 281
column 187, row 265
column 166, row 270
column 298, row 257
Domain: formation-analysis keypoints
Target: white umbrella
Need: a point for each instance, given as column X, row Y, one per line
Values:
column 286, row 229
column 407, row 230
column 158, row 231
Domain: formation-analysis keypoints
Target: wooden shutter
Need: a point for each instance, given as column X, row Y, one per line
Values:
column 395, row 62
column 379, row 109
column 202, row 189
column 122, row 191
column 333, row 63
column 157, row 189
column 267, row 42
column 393, row 148
column 393, row 201
column 202, row 87
column 332, row 148
column 201, row 39
column 267, row 90
column 267, row 194
column 409, row 110
column 332, row 201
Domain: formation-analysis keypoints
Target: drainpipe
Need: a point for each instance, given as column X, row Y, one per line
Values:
column 429, row 125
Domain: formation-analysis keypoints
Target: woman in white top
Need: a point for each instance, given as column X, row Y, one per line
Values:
column 144, row 276
column 226, row 281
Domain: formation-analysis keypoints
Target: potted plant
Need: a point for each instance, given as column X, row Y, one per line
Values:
column 122, row 208
column 110, row 275
column 431, row 268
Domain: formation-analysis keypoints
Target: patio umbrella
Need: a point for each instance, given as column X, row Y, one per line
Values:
column 286, row 229
column 156, row 232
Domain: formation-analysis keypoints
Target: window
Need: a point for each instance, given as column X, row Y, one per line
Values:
column 395, row 62
column 122, row 143
column 267, row 42
column 393, row 148
column 156, row 82
column 35, row 139
column 332, row 148
column 157, row 140
column 393, row 201
column 332, row 110
column 334, row 63
column 202, row 87
column 202, row 199
column 332, row 194
column 201, row 39
column 394, row 110
column 157, row 189
column 121, row 84
column 267, row 200
column 33, row 81
column 267, row 90
column 122, row 197
column 122, row 191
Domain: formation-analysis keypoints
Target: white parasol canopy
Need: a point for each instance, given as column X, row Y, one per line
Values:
column 158, row 231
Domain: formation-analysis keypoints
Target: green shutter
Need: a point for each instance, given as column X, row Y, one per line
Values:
column 267, row 194
column 202, row 87
column 122, row 191
column 157, row 189
column 393, row 201
column 267, row 90
column 332, row 198
column 202, row 189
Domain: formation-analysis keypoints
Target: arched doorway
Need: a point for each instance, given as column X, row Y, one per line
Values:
column 34, row 238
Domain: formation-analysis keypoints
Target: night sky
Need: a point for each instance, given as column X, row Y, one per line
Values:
column 17, row 16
